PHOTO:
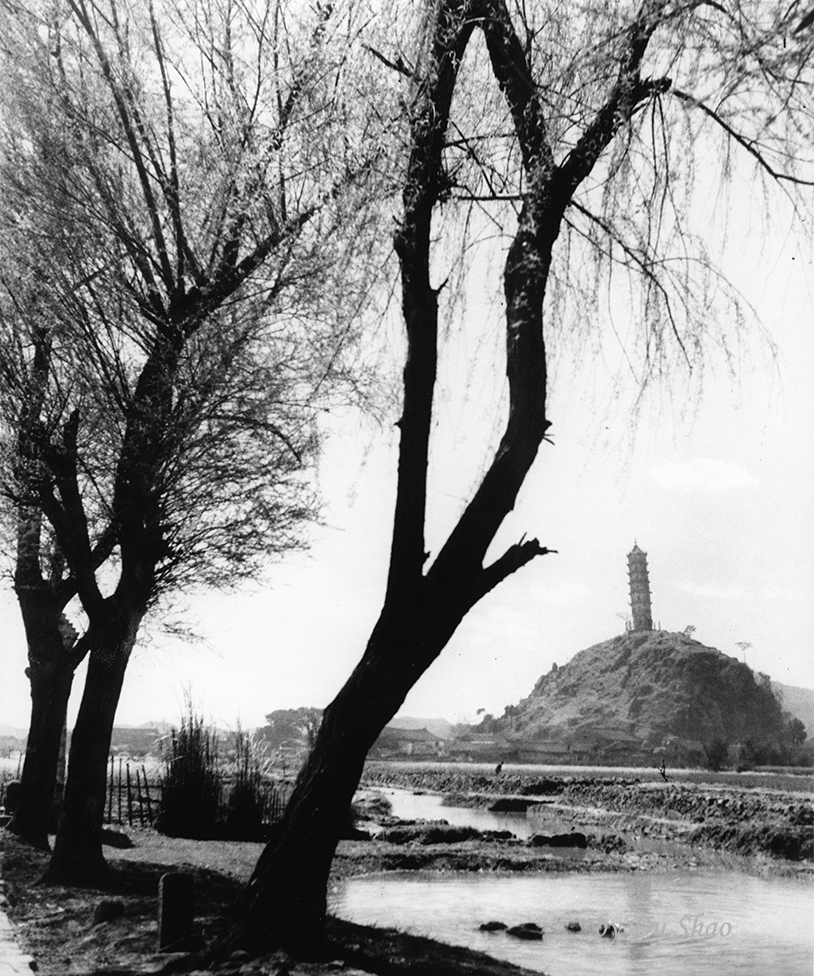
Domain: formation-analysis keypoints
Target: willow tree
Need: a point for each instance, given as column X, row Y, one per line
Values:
column 183, row 192
column 574, row 129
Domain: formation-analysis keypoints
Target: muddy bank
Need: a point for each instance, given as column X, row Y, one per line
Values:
column 749, row 821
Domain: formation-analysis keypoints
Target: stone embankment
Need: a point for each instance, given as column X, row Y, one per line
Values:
column 726, row 818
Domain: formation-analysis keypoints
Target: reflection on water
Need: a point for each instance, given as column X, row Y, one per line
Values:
column 683, row 923
column 428, row 806
column 540, row 819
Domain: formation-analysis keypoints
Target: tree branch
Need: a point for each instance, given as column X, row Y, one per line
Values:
column 644, row 266
column 67, row 516
column 131, row 125
column 747, row 144
column 627, row 93
column 512, row 69
column 514, row 558
column 451, row 29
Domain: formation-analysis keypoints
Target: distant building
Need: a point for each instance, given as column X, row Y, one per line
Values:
column 134, row 742
column 480, row 747
column 639, row 589
column 544, row 751
column 407, row 742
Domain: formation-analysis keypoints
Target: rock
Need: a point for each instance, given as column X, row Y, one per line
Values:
column 574, row 927
column 530, row 931
column 574, row 839
column 354, row 833
column 107, row 910
column 512, row 804
column 239, row 955
column 493, row 926
column 115, row 838
column 610, row 930
column 12, row 795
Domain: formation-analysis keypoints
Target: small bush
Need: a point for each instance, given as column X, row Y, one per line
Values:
column 246, row 805
column 191, row 788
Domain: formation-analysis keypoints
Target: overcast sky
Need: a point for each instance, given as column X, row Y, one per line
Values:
column 717, row 491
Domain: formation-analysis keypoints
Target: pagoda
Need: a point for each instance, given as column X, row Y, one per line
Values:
column 639, row 589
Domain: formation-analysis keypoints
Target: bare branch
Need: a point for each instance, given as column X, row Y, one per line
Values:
column 514, row 558
column 748, row 144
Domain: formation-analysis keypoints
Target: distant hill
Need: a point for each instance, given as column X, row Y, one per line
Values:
column 13, row 731
column 438, row 726
column 800, row 702
column 642, row 689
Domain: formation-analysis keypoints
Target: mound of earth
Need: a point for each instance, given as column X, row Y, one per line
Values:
column 641, row 688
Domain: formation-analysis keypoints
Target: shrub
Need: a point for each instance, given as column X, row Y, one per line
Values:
column 246, row 805
column 717, row 752
column 191, row 787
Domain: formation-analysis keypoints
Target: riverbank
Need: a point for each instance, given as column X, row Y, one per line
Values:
column 113, row 932
column 774, row 826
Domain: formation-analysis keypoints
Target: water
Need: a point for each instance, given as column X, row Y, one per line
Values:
column 720, row 923
column 429, row 806
column 540, row 819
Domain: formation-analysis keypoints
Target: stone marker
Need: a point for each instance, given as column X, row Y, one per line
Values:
column 176, row 909
column 12, row 795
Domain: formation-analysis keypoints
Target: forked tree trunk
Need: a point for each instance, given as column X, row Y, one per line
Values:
column 78, row 857
column 50, row 672
column 285, row 901
column 50, row 690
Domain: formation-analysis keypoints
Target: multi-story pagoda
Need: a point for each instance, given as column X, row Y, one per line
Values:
column 639, row 589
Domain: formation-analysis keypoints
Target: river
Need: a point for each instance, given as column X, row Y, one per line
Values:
column 430, row 806
column 715, row 922
column 704, row 923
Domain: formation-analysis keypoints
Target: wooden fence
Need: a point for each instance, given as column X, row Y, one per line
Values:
column 135, row 800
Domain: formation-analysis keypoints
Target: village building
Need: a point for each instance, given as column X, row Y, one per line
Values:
column 407, row 742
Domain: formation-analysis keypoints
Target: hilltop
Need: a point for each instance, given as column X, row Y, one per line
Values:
column 645, row 691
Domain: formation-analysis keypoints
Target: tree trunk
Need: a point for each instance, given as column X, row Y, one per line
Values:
column 77, row 857
column 50, row 690
column 284, row 904
column 50, row 672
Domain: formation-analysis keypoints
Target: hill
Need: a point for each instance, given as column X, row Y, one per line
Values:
column 645, row 690
column 800, row 702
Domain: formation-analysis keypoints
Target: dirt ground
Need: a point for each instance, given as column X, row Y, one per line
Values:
column 72, row 931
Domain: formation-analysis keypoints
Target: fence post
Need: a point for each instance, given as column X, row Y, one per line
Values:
column 139, row 799
column 120, row 791
column 110, row 794
column 149, row 798
column 129, row 796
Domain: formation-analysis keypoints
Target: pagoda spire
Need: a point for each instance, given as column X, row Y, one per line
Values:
column 639, row 589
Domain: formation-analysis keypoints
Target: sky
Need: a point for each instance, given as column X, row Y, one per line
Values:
column 716, row 489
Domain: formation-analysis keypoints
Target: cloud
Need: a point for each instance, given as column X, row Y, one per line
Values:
column 792, row 592
column 564, row 593
column 712, row 591
column 701, row 474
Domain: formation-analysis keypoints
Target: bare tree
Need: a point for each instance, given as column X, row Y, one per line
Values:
column 186, row 187
column 604, row 106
